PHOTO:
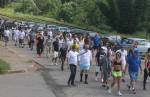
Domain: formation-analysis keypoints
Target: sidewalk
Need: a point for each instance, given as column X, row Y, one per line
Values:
column 23, row 80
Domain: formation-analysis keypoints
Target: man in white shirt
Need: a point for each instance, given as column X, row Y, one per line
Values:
column 85, row 60
column 73, row 62
column 21, row 38
column 50, row 34
column 16, row 36
column 6, row 35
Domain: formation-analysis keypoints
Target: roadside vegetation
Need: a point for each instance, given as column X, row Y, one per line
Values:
column 4, row 66
column 125, row 17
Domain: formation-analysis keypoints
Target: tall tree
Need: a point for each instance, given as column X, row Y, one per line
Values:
column 3, row 3
column 123, row 15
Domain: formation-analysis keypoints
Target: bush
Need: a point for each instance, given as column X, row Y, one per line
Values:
column 4, row 67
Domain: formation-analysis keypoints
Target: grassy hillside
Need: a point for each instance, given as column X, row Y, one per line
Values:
column 9, row 13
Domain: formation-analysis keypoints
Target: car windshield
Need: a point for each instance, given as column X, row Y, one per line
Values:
column 130, row 41
column 63, row 28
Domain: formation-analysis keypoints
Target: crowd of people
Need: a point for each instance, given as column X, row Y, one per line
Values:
column 111, row 65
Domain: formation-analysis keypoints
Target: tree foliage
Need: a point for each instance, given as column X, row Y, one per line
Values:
column 3, row 3
column 123, row 15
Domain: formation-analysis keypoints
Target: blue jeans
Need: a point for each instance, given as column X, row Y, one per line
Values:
column 73, row 69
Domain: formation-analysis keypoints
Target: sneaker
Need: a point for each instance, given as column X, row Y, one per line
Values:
column 103, row 85
column 96, row 79
column 74, row 85
column 128, row 86
column 119, row 93
column 134, row 92
column 109, row 91
column 102, row 80
column 52, row 63
column 85, row 82
column 56, row 64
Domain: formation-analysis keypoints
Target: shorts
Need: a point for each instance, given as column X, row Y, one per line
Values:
column 21, row 40
column 117, row 73
column 133, row 76
column 6, row 38
column 55, row 54
column 106, row 75
column 84, row 67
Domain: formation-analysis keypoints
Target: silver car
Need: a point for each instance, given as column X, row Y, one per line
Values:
column 143, row 44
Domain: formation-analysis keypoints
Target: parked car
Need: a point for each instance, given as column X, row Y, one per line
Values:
column 78, row 31
column 64, row 29
column 143, row 45
column 52, row 27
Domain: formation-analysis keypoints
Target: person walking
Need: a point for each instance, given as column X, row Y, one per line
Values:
column 72, row 59
column 134, row 64
column 62, row 55
column 56, row 51
column 39, row 44
column 85, row 61
column 48, row 46
column 123, row 58
column 21, row 38
column 147, row 68
column 6, row 36
column 106, row 65
column 116, row 73
column 31, row 38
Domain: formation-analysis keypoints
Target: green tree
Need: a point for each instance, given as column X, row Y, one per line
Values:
column 123, row 15
column 67, row 11
column 3, row 3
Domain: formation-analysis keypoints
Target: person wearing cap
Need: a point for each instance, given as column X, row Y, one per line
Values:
column 134, row 64
column 85, row 61
column 99, row 54
column 72, row 60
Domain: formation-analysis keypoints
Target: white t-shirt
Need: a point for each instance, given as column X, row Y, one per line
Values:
column 50, row 34
column 123, row 57
column 85, row 57
column 72, row 57
column 81, row 43
column 21, row 35
column 61, row 43
column 16, row 34
column 69, row 43
column 7, row 33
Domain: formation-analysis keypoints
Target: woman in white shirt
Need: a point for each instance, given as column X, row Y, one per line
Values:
column 85, row 60
column 73, row 62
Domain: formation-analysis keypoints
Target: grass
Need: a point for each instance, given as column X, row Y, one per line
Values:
column 9, row 13
column 4, row 66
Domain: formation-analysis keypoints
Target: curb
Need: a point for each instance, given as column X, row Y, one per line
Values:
column 15, row 71
column 38, row 65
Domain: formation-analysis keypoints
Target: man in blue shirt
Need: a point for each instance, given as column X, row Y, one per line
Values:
column 134, row 63
column 96, row 41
